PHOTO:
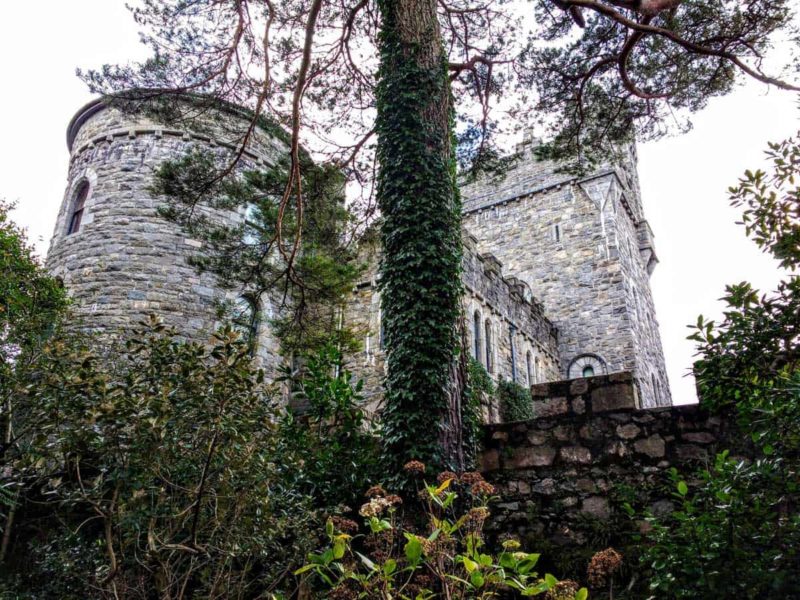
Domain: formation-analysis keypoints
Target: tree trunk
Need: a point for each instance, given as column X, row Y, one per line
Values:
column 421, row 236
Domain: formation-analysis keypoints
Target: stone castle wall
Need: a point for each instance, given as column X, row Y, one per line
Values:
column 582, row 247
column 565, row 475
column 125, row 261
column 504, row 305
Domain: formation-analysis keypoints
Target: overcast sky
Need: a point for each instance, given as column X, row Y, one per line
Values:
column 683, row 178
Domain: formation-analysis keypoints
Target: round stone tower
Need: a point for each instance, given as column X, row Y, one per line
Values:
column 118, row 258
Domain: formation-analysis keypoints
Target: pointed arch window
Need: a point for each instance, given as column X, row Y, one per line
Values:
column 489, row 348
column 78, row 203
column 529, row 367
column 476, row 336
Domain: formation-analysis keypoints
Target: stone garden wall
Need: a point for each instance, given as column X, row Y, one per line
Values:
column 565, row 475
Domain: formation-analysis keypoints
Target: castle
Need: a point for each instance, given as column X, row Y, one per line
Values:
column 555, row 270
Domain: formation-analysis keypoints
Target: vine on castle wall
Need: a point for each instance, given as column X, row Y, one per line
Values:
column 420, row 233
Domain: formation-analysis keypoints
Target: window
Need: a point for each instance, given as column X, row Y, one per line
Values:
column 77, row 208
column 586, row 365
column 252, row 229
column 529, row 367
column 556, row 233
column 245, row 320
column 381, row 332
column 489, row 349
column 476, row 336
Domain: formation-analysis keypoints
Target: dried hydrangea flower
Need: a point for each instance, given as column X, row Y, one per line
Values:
column 603, row 566
column 414, row 466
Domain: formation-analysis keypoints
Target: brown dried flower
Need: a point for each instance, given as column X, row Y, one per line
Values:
column 414, row 467
column 563, row 590
column 603, row 566
column 374, row 507
column 471, row 478
column 478, row 514
column 482, row 488
column 344, row 525
column 445, row 475
column 375, row 491
column 394, row 500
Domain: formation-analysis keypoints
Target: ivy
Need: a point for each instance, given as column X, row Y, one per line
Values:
column 479, row 389
column 515, row 401
column 420, row 233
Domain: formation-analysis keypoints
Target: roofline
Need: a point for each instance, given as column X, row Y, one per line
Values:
column 88, row 110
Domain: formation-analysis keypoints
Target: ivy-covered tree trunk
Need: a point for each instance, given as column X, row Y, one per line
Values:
column 420, row 271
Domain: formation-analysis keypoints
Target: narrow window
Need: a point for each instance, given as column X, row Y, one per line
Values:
column 476, row 335
column 588, row 371
column 536, row 369
column 245, row 320
column 489, row 349
column 557, row 233
column 381, row 332
column 77, row 208
column 529, row 367
column 655, row 387
column 252, row 229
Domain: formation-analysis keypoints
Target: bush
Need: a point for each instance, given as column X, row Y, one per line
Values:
column 164, row 473
column 434, row 550
column 516, row 403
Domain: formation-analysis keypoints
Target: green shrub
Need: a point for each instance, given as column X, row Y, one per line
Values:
column 516, row 403
column 435, row 550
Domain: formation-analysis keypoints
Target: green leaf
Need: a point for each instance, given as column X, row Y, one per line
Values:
column 550, row 580
column 477, row 579
column 582, row 594
column 683, row 489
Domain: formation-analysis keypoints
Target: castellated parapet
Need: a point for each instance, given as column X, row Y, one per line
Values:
column 124, row 261
column 583, row 247
column 555, row 268
column 515, row 340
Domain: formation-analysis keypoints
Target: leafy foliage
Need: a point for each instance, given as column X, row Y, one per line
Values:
column 516, row 403
column 420, row 233
column 477, row 395
column 162, row 471
column 332, row 436
column 736, row 532
column 443, row 557
column 737, row 535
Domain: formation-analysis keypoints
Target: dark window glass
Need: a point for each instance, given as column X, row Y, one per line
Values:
column 476, row 334
column 77, row 208
column 588, row 371
column 489, row 357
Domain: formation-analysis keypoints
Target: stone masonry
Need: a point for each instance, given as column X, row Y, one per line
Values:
column 590, row 449
column 125, row 261
column 555, row 266
column 583, row 247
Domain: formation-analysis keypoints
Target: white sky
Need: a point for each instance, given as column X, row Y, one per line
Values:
column 683, row 179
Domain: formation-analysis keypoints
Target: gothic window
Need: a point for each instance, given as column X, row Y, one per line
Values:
column 529, row 367
column 476, row 336
column 76, row 214
column 245, row 320
column 489, row 348
column 586, row 365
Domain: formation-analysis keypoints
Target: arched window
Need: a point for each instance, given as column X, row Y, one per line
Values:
column 489, row 349
column 476, row 336
column 252, row 229
column 586, row 365
column 655, row 387
column 76, row 214
column 245, row 320
column 529, row 367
